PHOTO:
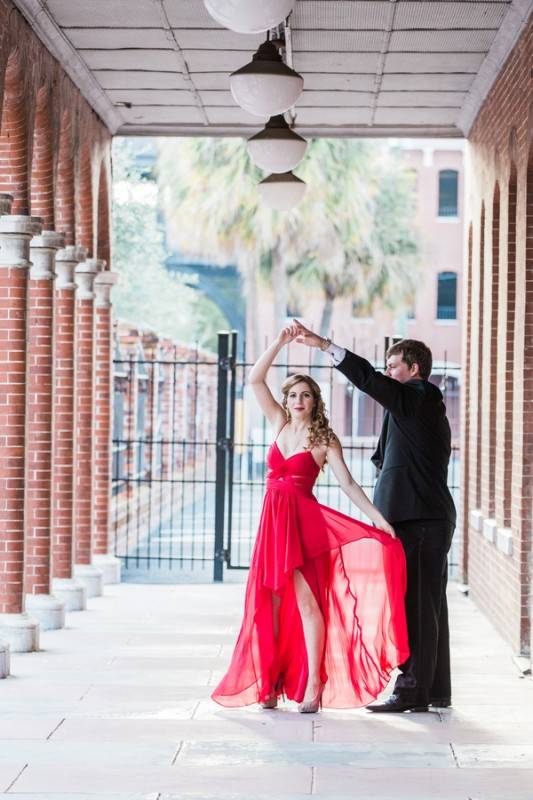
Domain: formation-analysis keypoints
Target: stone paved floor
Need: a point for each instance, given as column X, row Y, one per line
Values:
column 116, row 707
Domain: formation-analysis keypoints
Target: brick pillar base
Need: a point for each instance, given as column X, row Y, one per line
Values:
column 86, row 572
column 17, row 628
column 49, row 610
column 103, row 407
column 64, row 585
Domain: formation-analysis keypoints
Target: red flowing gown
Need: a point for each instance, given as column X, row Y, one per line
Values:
column 357, row 575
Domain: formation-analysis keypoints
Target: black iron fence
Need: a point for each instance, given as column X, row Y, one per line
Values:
column 164, row 451
column 189, row 455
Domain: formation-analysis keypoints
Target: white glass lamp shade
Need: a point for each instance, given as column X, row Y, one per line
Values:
column 266, row 86
column 249, row 16
column 282, row 192
column 276, row 148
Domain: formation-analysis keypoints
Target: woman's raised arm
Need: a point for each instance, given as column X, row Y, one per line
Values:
column 270, row 407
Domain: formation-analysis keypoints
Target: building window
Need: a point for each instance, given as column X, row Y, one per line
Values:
column 448, row 181
column 447, row 295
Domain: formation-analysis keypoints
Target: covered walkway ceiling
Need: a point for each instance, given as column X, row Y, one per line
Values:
column 371, row 67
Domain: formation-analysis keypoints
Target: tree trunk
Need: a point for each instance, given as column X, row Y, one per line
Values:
column 325, row 326
column 253, row 341
column 279, row 287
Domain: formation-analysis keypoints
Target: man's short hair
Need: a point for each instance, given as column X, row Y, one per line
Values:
column 413, row 352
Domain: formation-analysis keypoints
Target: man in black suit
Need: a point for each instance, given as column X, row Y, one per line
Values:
column 412, row 494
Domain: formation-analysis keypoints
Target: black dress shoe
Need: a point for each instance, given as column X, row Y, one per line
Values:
column 395, row 704
column 440, row 702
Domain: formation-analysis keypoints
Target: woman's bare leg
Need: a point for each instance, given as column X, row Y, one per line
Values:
column 314, row 633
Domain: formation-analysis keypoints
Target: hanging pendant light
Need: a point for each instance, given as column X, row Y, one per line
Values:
column 283, row 191
column 249, row 16
column 266, row 86
column 277, row 148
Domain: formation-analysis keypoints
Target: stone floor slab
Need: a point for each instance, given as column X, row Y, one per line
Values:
column 317, row 755
column 100, row 755
column 121, row 678
column 103, row 729
column 9, row 772
column 28, row 726
column 144, row 779
column 154, row 693
column 495, row 756
column 426, row 784
column 80, row 796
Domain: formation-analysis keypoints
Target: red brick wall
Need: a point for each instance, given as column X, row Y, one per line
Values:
column 103, row 394
column 64, row 194
column 83, row 431
column 13, row 138
column 103, row 244
column 53, row 148
column 42, row 167
column 63, row 455
column 527, row 443
column 84, row 204
column 464, row 509
column 12, row 402
column 498, row 571
column 38, row 436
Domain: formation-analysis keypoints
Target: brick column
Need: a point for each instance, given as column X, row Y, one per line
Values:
column 17, row 628
column 5, row 207
column 64, row 585
column 49, row 610
column 84, row 569
column 103, row 417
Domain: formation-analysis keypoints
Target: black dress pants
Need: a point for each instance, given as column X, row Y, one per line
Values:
column 426, row 673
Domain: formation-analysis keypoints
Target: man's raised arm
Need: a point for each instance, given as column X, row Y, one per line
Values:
column 399, row 398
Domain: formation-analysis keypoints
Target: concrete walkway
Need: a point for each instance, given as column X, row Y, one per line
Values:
column 117, row 706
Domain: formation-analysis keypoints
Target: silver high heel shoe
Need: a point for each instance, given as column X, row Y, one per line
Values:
column 312, row 706
column 270, row 702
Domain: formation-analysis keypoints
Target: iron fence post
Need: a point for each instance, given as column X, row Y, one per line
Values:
column 221, row 456
column 231, row 439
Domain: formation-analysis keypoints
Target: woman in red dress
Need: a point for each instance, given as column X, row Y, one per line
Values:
column 324, row 618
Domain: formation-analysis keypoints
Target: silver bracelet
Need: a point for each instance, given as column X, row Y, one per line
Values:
column 326, row 342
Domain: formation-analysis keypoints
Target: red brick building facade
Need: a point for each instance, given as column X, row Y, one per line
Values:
column 497, row 437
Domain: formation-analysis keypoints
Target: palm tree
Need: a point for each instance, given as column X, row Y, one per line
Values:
column 336, row 240
column 372, row 246
column 211, row 208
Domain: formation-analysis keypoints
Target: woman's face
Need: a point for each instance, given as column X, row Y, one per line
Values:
column 300, row 401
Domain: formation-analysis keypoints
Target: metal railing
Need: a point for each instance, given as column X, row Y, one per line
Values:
column 191, row 503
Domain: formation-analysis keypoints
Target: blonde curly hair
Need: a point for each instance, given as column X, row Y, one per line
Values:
column 320, row 431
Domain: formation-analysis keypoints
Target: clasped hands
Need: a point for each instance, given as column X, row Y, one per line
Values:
column 302, row 335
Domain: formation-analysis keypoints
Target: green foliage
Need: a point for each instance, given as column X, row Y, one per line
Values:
column 352, row 235
column 146, row 294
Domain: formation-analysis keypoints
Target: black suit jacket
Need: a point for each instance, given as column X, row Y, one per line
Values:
column 414, row 445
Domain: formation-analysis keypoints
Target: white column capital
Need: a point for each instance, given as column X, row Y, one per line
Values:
column 43, row 250
column 103, row 284
column 84, row 275
column 6, row 201
column 16, row 230
column 66, row 260
column 99, row 262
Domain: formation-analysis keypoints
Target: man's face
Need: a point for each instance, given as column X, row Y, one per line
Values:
column 398, row 369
